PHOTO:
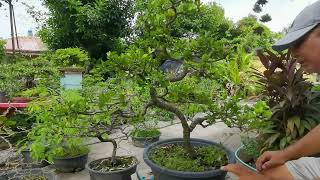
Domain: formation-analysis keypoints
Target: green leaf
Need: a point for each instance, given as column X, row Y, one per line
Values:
column 297, row 121
column 301, row 130
column 290, row 125
column 273, row 138
column 307, row 125
column 283, row 143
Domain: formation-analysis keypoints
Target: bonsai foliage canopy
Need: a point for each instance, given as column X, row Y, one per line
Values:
column 189, row 33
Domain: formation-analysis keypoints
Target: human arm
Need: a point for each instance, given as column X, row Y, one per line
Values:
column 308, row 145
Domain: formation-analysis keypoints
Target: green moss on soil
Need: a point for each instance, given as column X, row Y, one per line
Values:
column 174, row 157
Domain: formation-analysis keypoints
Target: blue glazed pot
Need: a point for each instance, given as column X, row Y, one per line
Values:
column 241, row 161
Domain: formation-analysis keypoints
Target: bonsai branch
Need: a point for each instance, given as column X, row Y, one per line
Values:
column 199, row 121
column 147, row 106
column 114, row 143
column 169, row 107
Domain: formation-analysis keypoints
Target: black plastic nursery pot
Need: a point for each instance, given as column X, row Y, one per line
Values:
column 29, row 163
column 144, row 141
column 72, row 164
column 161, row 173
column 124, row 174
column 243, row 159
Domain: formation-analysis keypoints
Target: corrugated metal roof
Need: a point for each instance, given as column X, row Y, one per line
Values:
column 27, row 45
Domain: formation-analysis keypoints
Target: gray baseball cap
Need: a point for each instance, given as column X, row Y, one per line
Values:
column 304, row 23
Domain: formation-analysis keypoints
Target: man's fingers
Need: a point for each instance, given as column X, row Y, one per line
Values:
column 267, row 165
column 261, row 160
column 236, row 169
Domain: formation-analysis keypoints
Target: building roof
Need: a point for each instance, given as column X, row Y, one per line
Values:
column 32, row 46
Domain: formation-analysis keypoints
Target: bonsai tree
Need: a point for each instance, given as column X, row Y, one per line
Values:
column 73, row 116
column 54, row 134
column 171, row 64
column 294, row 105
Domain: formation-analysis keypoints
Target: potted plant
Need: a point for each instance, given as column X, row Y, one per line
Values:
column 186, row 89
column 293, row 103
column 114, row 167
column 143, row 136
column 107, row 109
column 54, row 137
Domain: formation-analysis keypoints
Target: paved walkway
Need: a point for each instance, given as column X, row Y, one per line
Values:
column 218, row 133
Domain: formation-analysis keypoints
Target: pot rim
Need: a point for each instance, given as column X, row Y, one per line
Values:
column 113, row 172
column 67, row 158
column 186, row 174
column 242, row 162
column 141, row 138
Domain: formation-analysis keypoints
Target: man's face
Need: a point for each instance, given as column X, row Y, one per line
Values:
column 307, row 51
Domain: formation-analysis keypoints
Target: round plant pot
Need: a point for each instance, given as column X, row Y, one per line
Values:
column 29, row 163
column 144, row 141
column 124, row 174
column 161, row 173
column 243, row 159
column 73, row 164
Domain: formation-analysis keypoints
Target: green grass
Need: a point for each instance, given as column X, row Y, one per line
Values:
column 174, row 157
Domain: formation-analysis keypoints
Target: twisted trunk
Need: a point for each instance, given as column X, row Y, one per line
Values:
column 186, row 129
column 115, row 146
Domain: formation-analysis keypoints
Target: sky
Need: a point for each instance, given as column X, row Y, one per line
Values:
column 282, row 12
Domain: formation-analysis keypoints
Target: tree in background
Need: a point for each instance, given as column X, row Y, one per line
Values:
column 95, row 25
column 250, row 34
column 257, row 8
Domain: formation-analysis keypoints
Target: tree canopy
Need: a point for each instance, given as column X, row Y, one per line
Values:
column 95, row 25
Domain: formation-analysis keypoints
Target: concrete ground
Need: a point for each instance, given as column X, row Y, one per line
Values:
column 218, row 133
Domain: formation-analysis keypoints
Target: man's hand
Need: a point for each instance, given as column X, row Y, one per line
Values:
column 271, row 159
column 243, row 173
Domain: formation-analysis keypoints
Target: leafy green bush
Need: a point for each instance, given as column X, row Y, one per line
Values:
column 56, row 133
column 295, row 107
column 23, row 74
column 145, row 132
column 236, row 74
column 69, row 57
column 2, row 50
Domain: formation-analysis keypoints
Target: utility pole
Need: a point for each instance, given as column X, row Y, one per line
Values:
column 11, row 24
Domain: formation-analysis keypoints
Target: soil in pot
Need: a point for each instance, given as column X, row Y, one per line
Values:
column 105, row 165
column 174, row 157
column 168, row 160
column 105, row 169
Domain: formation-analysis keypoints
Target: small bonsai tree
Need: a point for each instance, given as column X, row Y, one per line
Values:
column 295, row 107
column 62, row 129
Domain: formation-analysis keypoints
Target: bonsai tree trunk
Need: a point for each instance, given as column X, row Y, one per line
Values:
column 186, row 129
column 115, row 146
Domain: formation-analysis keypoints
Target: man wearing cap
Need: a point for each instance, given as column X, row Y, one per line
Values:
column 293, row 162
